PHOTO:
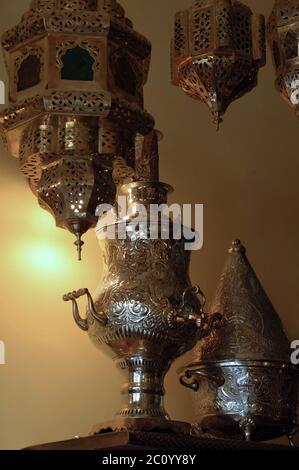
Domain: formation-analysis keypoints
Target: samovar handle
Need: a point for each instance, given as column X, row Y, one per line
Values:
column 195, row 376
column 205, row 323
column 198, row 318
column 82, row 322
column 196, row 290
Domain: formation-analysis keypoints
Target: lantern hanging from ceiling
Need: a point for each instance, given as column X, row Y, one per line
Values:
column 283, row 39
column 217, row 50
column 76, row 102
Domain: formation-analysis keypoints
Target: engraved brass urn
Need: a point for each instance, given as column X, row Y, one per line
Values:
column 146, row 313
column 283, row 38
column 245, row 384
column 217, row 50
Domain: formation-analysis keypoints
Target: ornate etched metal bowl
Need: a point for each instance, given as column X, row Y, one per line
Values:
column 246, row 385
column 252, row 399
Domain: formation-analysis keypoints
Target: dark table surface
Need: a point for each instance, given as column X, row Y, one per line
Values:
column 154, row 441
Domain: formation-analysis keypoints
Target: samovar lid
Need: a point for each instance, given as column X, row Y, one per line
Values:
column 253, row 329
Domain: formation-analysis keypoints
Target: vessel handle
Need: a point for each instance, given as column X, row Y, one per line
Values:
column 73, row 296
column 197, row 291
column 198, row 318
column 83, row 323
column 205, row 323
column 191, row 378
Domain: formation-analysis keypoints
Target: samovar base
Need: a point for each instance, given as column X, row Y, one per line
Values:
column 120, row 424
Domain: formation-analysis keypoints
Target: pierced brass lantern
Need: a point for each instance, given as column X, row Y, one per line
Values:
column 76, row 102
column 283, row 38
column 217, row 50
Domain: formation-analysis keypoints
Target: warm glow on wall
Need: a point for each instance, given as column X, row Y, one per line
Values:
column 36, row 250
column 41, row 255
column 42, row 258
column 41, row 220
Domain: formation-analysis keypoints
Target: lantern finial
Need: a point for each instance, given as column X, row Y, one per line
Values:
column 79, row 244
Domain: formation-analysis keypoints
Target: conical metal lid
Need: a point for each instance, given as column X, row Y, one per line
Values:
column 253, row 329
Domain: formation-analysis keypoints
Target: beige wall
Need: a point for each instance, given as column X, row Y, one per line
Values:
column 55, row 384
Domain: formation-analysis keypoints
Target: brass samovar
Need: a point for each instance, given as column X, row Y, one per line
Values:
column 147, row 312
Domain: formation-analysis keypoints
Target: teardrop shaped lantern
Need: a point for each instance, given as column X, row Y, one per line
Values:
column 217, row 50
column 283, row 38
column 76, row 102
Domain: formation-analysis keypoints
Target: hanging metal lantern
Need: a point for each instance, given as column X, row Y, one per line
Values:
column 246, row 385
column 283, row 38
column 217, row 50
column 76, row 102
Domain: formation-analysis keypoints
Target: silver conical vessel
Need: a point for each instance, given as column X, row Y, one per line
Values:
column 245, row 383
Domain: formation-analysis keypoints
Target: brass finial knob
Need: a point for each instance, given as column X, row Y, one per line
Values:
column 237, row 247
